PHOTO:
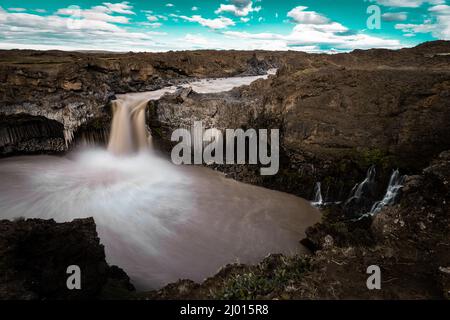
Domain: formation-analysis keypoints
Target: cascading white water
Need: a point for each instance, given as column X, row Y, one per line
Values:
column 318, row 200
column 395, row 184
column 128, row 128
column 158, row 221
column 361, row 188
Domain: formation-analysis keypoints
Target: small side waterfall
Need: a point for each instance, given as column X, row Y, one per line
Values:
column 128, row 129
column 363, row 188
column 395, row 184
column 318, row 200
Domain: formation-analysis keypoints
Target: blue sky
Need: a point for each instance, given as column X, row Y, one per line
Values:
column 162, row 25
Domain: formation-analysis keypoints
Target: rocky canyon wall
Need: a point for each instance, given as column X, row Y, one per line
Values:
column 338, row 115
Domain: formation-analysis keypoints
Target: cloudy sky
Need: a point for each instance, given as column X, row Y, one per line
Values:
column 161, row 25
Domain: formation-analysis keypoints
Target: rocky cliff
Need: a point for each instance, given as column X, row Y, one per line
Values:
column 35, row 255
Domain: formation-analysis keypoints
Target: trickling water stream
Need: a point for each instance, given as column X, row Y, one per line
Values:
column 395, row 184
column 158, row 221
column 318, row 200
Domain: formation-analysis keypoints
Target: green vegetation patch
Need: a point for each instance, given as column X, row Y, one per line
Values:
column 272, row 276
column 375, row 156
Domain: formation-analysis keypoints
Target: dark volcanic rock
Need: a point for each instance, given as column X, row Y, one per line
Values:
column 411, row 246
column 35, row 254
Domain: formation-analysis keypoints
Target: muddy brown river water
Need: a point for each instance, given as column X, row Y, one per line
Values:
column 158, row 221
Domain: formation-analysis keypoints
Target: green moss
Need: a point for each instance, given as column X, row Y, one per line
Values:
column 375, row 156
column 261, row 282
column 339, row 228
column 367, row 157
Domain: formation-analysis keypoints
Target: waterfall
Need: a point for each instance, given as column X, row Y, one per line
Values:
column 318, row 200
column 361, row 189
column 128, row 128
column 394, row 186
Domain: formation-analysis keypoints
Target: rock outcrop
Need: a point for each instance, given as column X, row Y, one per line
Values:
column 35, row 255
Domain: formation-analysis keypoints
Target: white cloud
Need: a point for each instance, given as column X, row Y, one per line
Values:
column 240, row 8
column 217, row 23
column 101, row 13
column 440, row 9
column 222, row 41
column 337, row 36
column 170, row 5
column 155, row 24
column 438, row 24
column 122, row 7
column 151, row 24
column 104, row 27
column 407, row 3
column 299, row 15
column 162, row 17
column 194, row 8
column 98, row 13
column 26, row 30
column 314, row 32
column 152, row 18
column 415, row 28
column 394, row 16
column 196, row 39
column 255, row 36
column 17, row 9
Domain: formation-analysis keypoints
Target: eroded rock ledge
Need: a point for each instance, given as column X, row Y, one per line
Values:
column 35, row 254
